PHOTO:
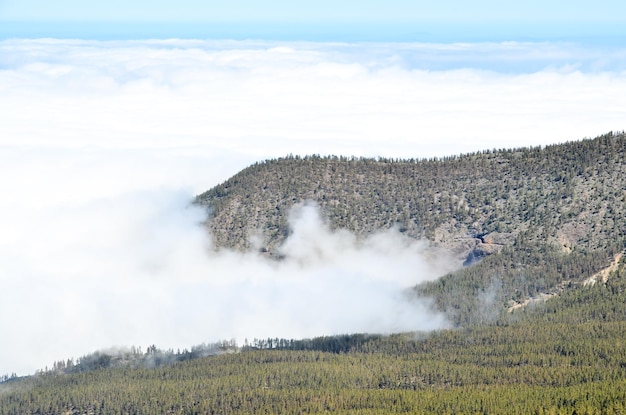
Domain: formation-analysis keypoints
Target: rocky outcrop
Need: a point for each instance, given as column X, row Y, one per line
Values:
column 485, row 245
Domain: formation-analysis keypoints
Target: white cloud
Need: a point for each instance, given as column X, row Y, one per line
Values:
column 244, row 95
column 103, row 144
column 137, row 270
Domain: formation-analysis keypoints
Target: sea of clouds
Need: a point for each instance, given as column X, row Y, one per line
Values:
column 103, row 145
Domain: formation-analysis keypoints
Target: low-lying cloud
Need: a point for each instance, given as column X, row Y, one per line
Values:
column 104, row 144
column 253, row 98
column 140, row 269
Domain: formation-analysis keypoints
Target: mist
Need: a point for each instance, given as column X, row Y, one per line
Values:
column 104, row 145
column 140, row 269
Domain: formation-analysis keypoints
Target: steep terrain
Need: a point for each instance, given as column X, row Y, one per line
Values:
column 528, row 220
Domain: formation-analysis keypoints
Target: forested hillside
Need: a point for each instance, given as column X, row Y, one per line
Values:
column 530, row 221
column 568, row 195
column 566, row 356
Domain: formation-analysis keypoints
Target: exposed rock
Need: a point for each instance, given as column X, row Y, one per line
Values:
column 485, row 245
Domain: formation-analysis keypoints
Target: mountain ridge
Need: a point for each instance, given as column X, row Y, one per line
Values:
column 526, row 219
column 481, row 199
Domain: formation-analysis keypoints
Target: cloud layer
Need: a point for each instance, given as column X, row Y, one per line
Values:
column 104, row 144
column 261, row 99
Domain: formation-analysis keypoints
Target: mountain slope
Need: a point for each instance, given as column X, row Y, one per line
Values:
column 569, row 195
column 539, row 218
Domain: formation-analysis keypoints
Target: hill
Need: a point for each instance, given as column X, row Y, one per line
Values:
column 530, row 224
column 569, row 195
column 530, row 221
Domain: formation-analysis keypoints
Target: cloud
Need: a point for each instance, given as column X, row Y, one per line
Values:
column 104, row 144
column 138, row 269
column 350, row 99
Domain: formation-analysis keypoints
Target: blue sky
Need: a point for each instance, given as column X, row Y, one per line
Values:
column 316, row 11
column 453, row 20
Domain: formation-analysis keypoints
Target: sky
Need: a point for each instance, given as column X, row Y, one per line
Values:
column 452, row 20
column 108, row 130
column 320, row 10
